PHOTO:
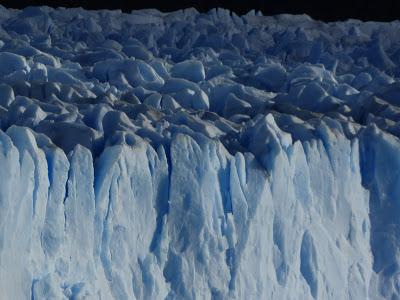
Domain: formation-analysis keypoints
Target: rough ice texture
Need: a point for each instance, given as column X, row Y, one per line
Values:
column 198, row 156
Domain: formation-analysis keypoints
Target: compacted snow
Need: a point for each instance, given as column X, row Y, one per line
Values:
column 198, row 156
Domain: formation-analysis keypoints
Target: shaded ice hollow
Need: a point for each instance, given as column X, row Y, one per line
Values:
column 191, row 155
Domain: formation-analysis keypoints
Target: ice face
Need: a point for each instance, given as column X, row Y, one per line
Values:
column 197, row 156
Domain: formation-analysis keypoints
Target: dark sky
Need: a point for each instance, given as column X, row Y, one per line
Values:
column 327, row 10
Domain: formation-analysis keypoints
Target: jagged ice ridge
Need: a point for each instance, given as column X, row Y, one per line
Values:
column 198, row 156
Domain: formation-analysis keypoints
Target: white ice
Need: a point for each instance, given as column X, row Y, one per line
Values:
column 198, row 156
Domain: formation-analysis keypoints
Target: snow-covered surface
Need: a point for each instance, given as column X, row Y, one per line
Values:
column 198, row 156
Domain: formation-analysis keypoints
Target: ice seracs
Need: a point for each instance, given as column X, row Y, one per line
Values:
column 189, row 155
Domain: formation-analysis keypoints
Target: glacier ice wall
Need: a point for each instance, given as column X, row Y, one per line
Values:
column 198, row 156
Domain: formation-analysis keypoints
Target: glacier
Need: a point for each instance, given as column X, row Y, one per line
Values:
column 187, row 155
